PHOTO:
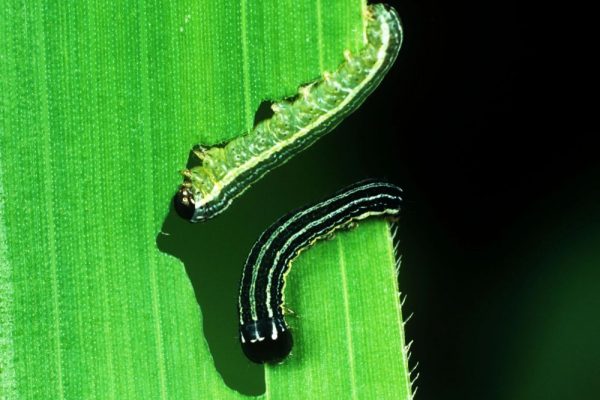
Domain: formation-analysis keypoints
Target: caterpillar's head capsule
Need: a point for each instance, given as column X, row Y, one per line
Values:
column 191, row 205
column 266, row 341
column 184, row 203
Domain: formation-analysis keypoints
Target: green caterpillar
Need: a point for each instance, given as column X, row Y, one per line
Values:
column 226, row 172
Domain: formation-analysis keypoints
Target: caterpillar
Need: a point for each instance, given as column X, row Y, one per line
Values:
column 225, row 172
column 264, row 334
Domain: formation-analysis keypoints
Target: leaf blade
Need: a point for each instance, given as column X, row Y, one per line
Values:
column 99, row 109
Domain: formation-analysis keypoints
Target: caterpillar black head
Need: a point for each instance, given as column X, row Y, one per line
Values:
column 266, row 341
column 184, row 203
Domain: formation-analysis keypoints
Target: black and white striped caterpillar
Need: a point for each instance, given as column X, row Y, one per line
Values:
column 264, row 334
column 226, row 172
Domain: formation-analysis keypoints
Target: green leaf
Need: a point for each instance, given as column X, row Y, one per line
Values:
column 100, row 103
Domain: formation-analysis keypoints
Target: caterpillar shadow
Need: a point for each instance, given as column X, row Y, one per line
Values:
column 213, row 253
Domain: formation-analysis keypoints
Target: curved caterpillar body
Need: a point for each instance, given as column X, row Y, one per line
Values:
column 226, row 172
column 264, row 334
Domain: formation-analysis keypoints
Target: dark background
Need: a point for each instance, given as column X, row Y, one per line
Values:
column 488, row 120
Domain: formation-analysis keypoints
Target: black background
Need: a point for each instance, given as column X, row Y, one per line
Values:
column 496, row 134
column 488, row 120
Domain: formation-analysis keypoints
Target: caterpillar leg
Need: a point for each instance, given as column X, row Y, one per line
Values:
column 186, row 173
column 349, row 225
column 200, row 151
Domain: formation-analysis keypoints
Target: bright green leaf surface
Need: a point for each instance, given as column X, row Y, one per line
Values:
column 100, row 103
